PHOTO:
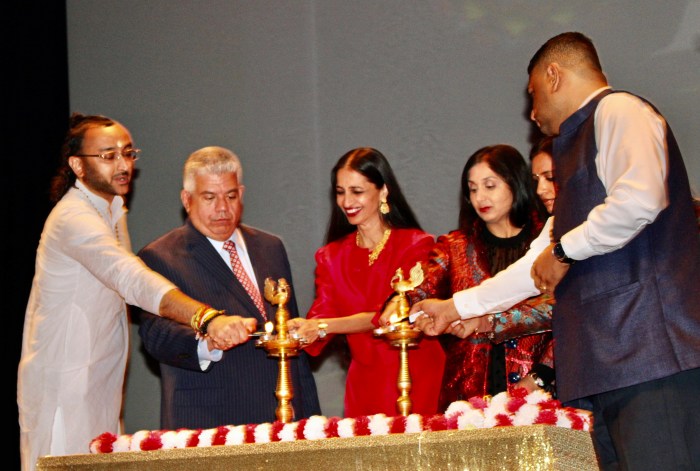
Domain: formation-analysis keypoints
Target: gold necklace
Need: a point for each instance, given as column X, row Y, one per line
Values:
column 377, row 248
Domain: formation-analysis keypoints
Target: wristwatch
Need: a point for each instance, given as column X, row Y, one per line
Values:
column 559, row 254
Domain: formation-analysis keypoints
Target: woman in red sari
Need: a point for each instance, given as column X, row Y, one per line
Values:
column 372, row 232
column 499, row 217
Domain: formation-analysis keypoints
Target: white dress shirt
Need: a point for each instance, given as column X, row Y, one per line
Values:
column 205, row 355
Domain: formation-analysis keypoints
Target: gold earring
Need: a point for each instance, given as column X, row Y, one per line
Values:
column 384, row 207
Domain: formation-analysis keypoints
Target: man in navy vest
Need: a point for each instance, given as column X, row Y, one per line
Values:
column 623, row 264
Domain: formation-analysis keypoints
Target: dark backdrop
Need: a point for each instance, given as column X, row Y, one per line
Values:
column 35, row 72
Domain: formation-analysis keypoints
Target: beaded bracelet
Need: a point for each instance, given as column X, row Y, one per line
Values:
column 201, row 319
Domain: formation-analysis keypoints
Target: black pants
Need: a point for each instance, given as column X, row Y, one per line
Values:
column 649, row 426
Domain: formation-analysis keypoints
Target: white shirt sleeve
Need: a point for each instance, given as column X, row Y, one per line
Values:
column 632, row 164
column 508, row 287
column 206, row 356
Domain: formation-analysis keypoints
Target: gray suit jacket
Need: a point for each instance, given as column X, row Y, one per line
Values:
column 240, row 388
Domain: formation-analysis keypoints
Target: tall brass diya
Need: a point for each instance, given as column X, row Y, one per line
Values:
column 401, row 335
column 278, row 343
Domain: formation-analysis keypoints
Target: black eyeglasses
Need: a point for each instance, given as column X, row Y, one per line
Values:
column 131, row 155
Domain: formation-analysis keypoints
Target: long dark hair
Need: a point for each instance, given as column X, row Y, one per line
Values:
column 78, row 125
column 510, row 165
column 373, row 165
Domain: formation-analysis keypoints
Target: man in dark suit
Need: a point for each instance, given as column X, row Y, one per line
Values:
column 201, row 385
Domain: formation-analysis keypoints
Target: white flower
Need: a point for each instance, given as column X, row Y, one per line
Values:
column 122, row 443
column 346, row 427
column 537, row 396
column 457, row 407
column 379, row 424
column 169, row 440
column 562, row 419
column 414, row 423
column 262, row 433
column 235, row 435
column 182, row 437
column 315, row 427
column 526, row 415
column 496, row 406
column 470, row 419
column 288, row 432
column 206, row 437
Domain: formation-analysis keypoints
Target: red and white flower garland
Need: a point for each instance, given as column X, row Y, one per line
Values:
column 516, row 408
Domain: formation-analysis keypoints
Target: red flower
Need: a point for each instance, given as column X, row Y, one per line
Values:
column 276, row 428
column 300, row 429
column 398, row 425
column 576, row 420
column 219, row 437
column 332, row 427
column 453, row 422
column 250, row 433
column 105, row 442
column 547, row 417
column 436, row 422
column 503, row 420
column 152, row 441
column 362, row 426
column 478, row 402
column 515, row 403
column 194, row 438
column 550, row 404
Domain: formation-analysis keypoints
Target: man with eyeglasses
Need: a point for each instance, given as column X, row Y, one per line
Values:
column 75, row 340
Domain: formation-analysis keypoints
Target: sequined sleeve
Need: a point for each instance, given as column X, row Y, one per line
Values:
column 532, row 316
column 436, row 282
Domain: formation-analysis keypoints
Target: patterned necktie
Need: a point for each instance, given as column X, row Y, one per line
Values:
column 242, row 276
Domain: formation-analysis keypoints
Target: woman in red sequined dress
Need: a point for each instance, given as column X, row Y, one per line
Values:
column 499, row 217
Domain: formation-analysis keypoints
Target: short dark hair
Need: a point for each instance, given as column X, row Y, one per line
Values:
column 565, row 47
column 510, row 165
column 78, row 124
column 375, row 167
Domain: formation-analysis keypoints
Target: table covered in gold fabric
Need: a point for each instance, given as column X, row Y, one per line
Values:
column 533, row 447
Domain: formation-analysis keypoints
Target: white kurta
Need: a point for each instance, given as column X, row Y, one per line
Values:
column 75, row 341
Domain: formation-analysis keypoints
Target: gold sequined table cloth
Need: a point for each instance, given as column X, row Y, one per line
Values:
column 525, row 448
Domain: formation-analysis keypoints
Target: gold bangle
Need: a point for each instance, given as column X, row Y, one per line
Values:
column 196, row 319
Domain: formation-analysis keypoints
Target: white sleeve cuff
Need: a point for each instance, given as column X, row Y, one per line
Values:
column 206, row 356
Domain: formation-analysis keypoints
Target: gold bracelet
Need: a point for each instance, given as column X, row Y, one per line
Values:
column 322, row 326
column 196, row 319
